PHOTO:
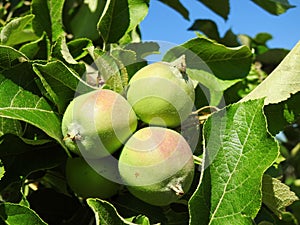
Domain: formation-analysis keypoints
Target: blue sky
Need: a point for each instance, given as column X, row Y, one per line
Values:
column 164, row 24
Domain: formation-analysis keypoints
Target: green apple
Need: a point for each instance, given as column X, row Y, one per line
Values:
column 161, row 94
column 156, row 164
column 97, row 123
column 86, row 182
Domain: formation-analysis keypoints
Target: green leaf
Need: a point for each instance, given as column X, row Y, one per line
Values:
column 112, row 72
column 220, row 7
column 20, row 160
column 2, row 170
column 275, row 7
column 48, row 18
column 83, row 22
column 56, row 11
column 125, row 56
column 277, row 195
column 60, row 51
column 262, row 38
column 131, row 36
column 230, row 39
column 20, row 101
column 120, row 17
column 282, row 114
column 35, row 142
column 129, row 206
column 60, row 83
column 78, row 47
column 266, row 217
column 216, row 86
column 114, row 21
column 105, row 213
column 9, row 57
column 208, row 27
column 265, row 223
column 138, row 10
column 177, row 6
column 238, row 151
column 134, row 56
column 14, row 148
column 9, row 126
column 39, row 49
column 271, row 58
column 128, row 63
column 15, row 32
column 204, row 54
column 143, row 49
column 42, row 19
column 282, row 82
column 15, row 214
column 141, row 220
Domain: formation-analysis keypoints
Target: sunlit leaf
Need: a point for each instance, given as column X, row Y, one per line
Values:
column 120, row 17
column 282, row 82
column 60, row 82
column 19, row 101
column 48, row 18
column 11, row 213
column 105, row 212
column 15, row 31
column 78, row 47
column 238, row 150
column 277, row 195
column 10, row 57
column 204, row 54
column 38, row 49
column 215, row 86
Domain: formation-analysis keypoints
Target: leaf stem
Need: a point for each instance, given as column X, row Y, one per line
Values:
column 197, row 160
column 214, row 108
column 204, row 117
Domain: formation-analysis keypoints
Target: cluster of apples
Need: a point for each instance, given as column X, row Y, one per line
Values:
column 155, row 162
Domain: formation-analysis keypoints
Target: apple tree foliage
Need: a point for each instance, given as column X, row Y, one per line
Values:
column 248, row 149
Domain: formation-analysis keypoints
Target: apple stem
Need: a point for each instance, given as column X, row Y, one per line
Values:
column 177, row 188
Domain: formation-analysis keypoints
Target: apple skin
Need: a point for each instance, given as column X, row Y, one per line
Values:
column 160, row 95
column 96, row 124
column 86, row 182
column 157, row 166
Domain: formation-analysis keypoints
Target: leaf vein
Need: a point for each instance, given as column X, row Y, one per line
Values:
column 28, row 109
column 13, row 99
column 213, row 215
